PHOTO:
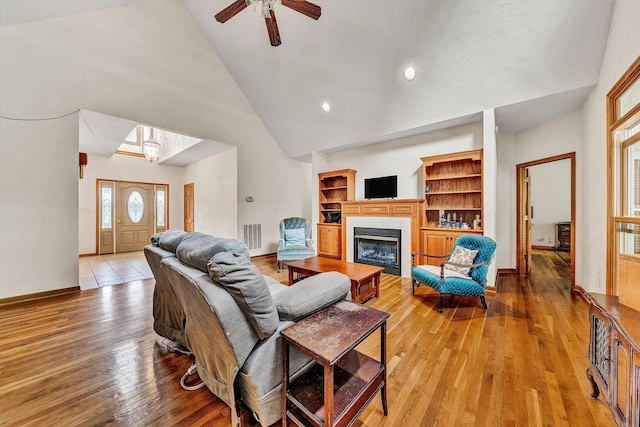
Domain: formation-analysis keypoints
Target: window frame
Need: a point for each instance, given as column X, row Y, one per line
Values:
column 617, row 170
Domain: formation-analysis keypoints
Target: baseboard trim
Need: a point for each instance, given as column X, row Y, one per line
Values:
column 38, row 295
column 85, row 255
column 263, row 255
column 543, row 248
column 507, row 271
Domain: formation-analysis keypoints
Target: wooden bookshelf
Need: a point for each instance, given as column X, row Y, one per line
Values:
column 453, row 184
column 334, row 187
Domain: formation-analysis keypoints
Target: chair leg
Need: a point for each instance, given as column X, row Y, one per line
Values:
column 483, row 301
column 278, row 266
column 441, row 301
column 413, row 287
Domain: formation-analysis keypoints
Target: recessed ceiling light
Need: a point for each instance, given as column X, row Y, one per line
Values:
column 326, row 107
column 409, row 73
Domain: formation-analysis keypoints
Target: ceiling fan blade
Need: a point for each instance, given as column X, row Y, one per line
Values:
column 272, row 29
column 304, row 7
column 230, row 11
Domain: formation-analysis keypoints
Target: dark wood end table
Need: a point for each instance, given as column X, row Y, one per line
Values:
column 344, row 381
column 365, row 279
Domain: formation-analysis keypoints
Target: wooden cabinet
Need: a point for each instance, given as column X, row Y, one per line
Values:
column 563, row 236
column 330, row 240
column 334, row 188
column 439, row 242
column 453, row 187
column 614, row 357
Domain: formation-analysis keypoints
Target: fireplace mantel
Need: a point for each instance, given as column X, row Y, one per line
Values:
column 412, row 208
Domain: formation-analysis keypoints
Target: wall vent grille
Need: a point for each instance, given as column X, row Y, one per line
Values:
column 253, row 236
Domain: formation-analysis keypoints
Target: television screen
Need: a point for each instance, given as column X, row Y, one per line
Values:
column 381, row 188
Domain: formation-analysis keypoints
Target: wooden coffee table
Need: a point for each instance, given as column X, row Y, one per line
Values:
column 365, row 279
column 338, row 388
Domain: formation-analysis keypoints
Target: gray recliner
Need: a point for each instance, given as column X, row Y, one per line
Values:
column 233, row 316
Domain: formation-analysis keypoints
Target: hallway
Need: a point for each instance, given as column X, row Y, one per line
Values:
column 550, row 270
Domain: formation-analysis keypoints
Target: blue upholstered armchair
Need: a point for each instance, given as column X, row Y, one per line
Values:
column 295, row 240
column 464, row 272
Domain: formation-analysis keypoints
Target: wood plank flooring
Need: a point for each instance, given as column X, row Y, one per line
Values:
column 92, row 358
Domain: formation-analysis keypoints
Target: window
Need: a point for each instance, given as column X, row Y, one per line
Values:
column 160, row 203
column 107, row 202
column 623, row 234
column 135, row 207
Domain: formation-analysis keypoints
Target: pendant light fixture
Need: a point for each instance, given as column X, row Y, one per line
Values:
column 151, row 148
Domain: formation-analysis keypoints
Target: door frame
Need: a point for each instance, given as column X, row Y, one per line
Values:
column 521, row 209
column 98, row 207
column 189, row 207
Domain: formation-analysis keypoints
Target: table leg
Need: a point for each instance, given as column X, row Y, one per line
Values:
column 328, row 395
column 290, row 275
column 383, row 360
column 285, row 380
column 376, row 281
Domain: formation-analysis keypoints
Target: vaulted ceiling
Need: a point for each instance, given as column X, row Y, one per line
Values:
column 529, row 59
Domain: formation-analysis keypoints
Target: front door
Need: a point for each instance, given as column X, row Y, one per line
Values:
column 134, row 216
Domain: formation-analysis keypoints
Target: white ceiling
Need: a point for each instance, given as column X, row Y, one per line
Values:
column 531, row 60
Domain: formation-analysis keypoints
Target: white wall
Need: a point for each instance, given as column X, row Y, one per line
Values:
column 215, row 198
column 402, row 157
column 149, row 63
column 506, row 202
column 550, row 199
column 280, row 188
column 38, row 204
column 622, row 49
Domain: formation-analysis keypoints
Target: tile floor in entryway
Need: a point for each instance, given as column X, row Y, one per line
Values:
column 107, row 270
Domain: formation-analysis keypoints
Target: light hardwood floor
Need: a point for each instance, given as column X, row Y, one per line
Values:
column 92, row 358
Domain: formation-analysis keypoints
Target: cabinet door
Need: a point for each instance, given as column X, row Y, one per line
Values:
column 435, row 243
column 635, row 388
column 324, row 240
column 600, row 350
column 336, row 242
column 329, row 241
column 621, row 376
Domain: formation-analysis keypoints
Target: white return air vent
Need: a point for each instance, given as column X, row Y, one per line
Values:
column 253, row 236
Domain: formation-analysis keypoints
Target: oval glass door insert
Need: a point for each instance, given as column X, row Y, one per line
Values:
column 135, row 206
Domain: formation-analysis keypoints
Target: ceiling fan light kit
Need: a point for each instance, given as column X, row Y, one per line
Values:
column 311, row 10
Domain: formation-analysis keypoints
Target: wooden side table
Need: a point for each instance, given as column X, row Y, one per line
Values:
column 340, row 386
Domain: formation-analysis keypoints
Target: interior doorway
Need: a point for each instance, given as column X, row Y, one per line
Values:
column 557, row 235
column 129, row 213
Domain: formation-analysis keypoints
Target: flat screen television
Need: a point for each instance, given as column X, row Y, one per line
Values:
column 384, row 187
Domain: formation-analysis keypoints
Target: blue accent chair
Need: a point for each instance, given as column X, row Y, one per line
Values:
column 446, row 281
column 295, row 240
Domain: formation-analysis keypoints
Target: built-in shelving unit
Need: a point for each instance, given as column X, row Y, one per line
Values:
column 334, row 187
column 453, row 184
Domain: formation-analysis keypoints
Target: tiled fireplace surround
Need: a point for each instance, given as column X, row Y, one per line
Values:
column 405, row 215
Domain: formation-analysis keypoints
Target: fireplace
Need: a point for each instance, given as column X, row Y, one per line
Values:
column 378, row 246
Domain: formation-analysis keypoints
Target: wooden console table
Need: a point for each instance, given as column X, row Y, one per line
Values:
column 614, row 357
column 343, row 383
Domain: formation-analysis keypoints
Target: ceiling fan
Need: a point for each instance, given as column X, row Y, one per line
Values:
column 302, row 6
